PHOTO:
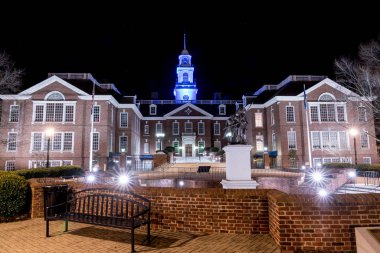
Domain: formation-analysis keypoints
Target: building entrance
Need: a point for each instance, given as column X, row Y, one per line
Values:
column 188, row 150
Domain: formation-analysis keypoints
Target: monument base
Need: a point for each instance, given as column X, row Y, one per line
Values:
column 239, row 184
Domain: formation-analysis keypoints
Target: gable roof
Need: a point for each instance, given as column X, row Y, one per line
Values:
column 182, row 107
column 332, row 84
column 49, row 81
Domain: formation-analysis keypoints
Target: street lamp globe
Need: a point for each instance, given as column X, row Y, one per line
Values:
column 353, row 131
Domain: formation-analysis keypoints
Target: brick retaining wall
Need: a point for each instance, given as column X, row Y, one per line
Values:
column 298, row 223
column 209, row 210
column 304, row 223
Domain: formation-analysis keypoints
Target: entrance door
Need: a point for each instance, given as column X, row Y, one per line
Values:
column 188, row 150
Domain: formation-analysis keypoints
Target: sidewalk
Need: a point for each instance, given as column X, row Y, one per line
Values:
column 29, row 236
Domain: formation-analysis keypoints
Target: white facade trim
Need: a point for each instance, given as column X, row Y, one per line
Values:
column 15, row 97
column 196, row 108
column 49, row 81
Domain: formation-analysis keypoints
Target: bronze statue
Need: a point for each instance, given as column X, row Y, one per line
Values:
column 236, row 127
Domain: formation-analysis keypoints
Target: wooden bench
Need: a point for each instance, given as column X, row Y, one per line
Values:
column 203, row 169
column 103, row 207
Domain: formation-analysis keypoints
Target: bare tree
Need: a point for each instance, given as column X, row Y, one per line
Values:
column 10, row 77
column 361, row 74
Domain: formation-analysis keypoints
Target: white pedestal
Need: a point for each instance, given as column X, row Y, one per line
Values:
column 238, row 168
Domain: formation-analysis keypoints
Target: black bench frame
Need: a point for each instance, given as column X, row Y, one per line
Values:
column 203, row 169
column 103, row 207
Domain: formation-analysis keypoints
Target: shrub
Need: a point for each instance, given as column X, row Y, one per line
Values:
column 368, row 167
column 51, row 172
column 338, row 165
column 13, row 194
column 215, row 149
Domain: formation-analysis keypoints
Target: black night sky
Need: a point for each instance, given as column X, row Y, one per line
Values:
column 235, row 49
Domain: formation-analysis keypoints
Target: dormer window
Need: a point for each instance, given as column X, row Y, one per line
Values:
column 222, row 109
column 153, row 109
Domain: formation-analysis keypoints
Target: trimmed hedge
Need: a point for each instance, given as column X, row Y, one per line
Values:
column 59, row 171
column 338, row 165
column 13, row 194
column 368, row 167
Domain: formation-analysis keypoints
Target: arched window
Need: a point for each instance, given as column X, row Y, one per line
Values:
column 326, row 98
column 55, row 96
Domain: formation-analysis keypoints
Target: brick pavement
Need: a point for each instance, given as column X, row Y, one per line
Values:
column 29, row 236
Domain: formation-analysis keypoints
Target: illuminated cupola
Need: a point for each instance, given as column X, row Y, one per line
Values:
column 185, row 87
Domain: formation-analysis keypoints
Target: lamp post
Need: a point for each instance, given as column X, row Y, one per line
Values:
column 49, row 133
column 265, row 151
column 160, row 136
column 354, row 132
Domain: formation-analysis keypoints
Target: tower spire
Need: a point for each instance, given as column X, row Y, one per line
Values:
column 184, row 41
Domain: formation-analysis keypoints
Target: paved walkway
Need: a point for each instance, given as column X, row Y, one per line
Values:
column 29, row 236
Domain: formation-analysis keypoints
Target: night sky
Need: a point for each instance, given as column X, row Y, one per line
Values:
column 235, row 48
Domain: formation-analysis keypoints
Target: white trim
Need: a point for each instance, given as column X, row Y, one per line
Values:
column 52, row 92
column 49, row 81
column 196, row 108
column 188, row 117
column 14, row 97
column 153, row 118
column 332, row 84
column 219, row 118
column 127, row 120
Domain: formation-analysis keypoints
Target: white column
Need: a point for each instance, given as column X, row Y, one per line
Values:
column 238, row 168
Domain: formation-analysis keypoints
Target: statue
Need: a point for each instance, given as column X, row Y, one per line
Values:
column 236, row 127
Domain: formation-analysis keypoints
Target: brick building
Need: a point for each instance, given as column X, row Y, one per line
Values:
column 278, row 130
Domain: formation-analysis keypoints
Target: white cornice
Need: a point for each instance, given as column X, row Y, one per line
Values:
column 49, row 81
column 15, row 97
column 153, row 118
column 334, row 85
column 188, row 117
column 220, row 118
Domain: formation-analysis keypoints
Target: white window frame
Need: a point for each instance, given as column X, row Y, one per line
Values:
column 125, row 143
column 201, row 128
column 188, row 127
column 362, row 118
column 258, row 119
column 123, row 124
column 272, row 116
column 146, row 148
column 12, row 143
column 216, row 128
column 292, row 139
column 96, row 113
column 146, row 129
column 176, row 147
column 175, row 128
column 222, row 109
column 364, row 139
column 289, row 109
column 317, row 106
column 260, row 142
column 153, row 110
column 95, row 141
column 67, row 162
column 14, row 114
column 367, row 160
column 201, row 149
column 10, row 165
column 159, row 129
column 42, row 105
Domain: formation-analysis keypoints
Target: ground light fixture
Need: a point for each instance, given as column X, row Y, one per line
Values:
column 181, row 183
column 323, row 193
column 124, row 179
column 90, row 178
column 352, row 174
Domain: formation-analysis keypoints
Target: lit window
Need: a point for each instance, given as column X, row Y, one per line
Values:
column 201, row 146
column 292, row 143
column 146, row 148
column 176, row 147
column 367, row 160
column 123, row 143
column 316, row 140
column 258, row 119
column 259, row 143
